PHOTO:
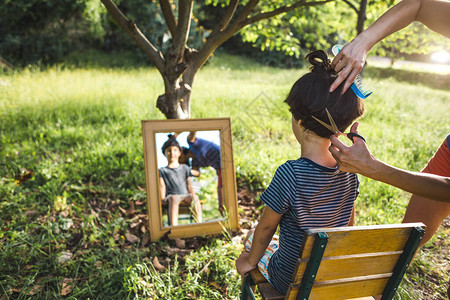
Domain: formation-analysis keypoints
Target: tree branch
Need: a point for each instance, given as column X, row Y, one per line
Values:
column 6, row 64
column 281, row 10
column 231, row 9
column 133, row 31
column 168, row 16
column 248, row 8
column 182, row 31
column 351, row 6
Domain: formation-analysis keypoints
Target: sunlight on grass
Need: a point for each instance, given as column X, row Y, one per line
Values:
column 77, row 134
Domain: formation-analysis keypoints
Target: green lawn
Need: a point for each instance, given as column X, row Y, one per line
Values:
column 72, row 175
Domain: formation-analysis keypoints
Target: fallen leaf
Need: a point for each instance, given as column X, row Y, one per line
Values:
column 122, row 210
column 180, row 243
column 130, row 210
column 36, row 289
column 157, row 265
column 145, row 283
column 135, row 224
column 171, row 251
column 145, row 240
column 139, row 203
column 131, row 237
column 216, row 286
column 30, row 213
column 27, row 267
column 67, row 286
column 141, row 189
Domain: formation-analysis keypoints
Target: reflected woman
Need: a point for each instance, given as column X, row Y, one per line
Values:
column 204, row 154
column 175, row 184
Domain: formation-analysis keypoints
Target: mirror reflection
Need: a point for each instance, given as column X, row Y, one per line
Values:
column 190, row 176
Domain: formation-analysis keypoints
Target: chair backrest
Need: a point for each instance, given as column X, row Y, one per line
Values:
column 354, row 261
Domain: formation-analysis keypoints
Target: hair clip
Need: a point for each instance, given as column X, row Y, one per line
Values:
column 357, row 86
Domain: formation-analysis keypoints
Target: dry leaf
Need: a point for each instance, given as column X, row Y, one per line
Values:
column 216, row 286
column 180, row 243
column 139, row 203
column 67, row 286
column 30, row 213
column 145, row 240
column 36, row 289
column 130, row 210
column 131, row 237
column 27, row 267
column 122, row 210
column 141, row 189
column 135, row 224
column 157, row 265
column 171, row 251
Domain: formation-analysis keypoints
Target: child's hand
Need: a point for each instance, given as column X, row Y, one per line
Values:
column 242, row 264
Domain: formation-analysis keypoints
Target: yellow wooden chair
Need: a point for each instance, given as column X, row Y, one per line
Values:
column 346, row 263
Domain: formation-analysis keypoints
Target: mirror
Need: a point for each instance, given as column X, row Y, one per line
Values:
column 190, row 178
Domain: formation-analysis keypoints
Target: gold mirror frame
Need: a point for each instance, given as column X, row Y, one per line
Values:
column 155, row 214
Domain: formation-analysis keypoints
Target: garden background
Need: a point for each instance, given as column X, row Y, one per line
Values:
column 73, row 91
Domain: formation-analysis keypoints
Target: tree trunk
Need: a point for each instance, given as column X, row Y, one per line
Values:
column 179, row 67
column 175, row 102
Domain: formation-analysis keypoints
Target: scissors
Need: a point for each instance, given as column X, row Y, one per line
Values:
column 333, row 128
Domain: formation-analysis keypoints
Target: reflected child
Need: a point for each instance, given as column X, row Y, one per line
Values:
column 175, row 183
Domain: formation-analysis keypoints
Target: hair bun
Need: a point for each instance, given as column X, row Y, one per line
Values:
column 319, row 61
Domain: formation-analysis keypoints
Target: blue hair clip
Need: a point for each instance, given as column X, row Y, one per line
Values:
column 357, row 86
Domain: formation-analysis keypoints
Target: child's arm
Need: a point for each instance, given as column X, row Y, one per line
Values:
column 162, row 188
column 352, row 217
column 263, row 235
column 189, row 187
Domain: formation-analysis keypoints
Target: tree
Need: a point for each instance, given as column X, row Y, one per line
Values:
column 181, row 63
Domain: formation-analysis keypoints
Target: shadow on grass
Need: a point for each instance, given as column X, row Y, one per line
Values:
column 432, row 80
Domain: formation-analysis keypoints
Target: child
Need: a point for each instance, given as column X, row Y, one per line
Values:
column 175, row 184
column 309, row 192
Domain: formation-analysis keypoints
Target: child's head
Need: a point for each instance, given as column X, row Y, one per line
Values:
column 170, row 144
column 310, row 96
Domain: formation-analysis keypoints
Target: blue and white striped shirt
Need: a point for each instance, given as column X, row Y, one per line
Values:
column 308, row 195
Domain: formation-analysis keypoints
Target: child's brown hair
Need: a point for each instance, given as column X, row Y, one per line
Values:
column 309, row 96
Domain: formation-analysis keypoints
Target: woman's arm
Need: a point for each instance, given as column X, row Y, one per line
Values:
column 191, row 136
column 358, row 159
column 435, row 14
column 263, row 235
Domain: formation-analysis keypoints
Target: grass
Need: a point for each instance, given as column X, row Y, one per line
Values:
column 72, row 175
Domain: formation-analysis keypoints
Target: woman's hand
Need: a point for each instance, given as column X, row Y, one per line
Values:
column 242, row 264
column 354, row 159
column 349, row 62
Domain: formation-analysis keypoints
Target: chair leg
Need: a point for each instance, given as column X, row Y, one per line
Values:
column 246, row 290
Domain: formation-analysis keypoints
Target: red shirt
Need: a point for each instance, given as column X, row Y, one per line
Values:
column 439, row 164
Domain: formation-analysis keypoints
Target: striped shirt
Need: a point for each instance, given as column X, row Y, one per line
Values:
column 308, row 195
